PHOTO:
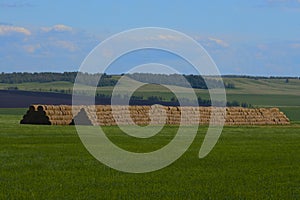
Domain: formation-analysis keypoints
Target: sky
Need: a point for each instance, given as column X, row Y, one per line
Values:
column 258, row 37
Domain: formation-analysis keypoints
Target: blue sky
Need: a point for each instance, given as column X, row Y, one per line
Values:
column 258, row 37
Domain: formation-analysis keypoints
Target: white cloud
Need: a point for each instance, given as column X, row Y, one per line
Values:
column 58, row 28
column 219, row 42
column 169, row 37
column 8, row 29
column 66, row 45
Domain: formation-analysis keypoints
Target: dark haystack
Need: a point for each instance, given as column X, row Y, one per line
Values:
column 49, row 115
column 34, row 116
column 81, row 118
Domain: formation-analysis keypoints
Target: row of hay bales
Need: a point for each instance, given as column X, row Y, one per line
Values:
column 143, row 115
column 49, row 114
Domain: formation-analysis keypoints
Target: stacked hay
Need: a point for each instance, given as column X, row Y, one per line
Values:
column 157, row 114
column 127, row 115
column 262, row 116
column 173, row 115
column 35, row 115
column 49, row 115
column 106, row 115
column 123, row 115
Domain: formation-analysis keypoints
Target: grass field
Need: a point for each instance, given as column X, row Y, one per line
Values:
column 50, row 162
column 261, row 92
column 293, row 113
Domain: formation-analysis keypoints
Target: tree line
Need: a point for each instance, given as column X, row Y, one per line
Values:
column 260, row 77
column 44, row 77
column 194, row 81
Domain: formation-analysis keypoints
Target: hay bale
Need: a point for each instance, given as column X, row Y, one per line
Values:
column 102, row 114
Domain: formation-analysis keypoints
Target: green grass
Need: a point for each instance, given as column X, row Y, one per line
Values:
column 293, row 113
column 13, row 111
column 263, row 86
column 34, row 86
column 50, row 162
column 266, row 100
column 262, row 92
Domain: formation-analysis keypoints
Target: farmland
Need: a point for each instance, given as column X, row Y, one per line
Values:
column 261, row 92
column 248, row 162
column 42, row 162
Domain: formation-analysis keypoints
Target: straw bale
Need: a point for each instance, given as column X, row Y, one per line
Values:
column 103, row 114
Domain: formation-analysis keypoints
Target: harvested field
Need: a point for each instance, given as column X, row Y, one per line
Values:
column 106, row 115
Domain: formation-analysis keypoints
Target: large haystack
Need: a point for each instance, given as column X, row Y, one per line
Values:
column 49, row 115
column 107, row 115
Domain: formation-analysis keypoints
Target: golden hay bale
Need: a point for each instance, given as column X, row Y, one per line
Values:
column 63, row 114
column 274, row 110
column 49, row 112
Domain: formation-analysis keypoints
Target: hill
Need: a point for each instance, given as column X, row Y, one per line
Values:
column 260, row 92
column 282, row 92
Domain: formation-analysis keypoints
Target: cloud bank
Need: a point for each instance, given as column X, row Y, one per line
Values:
column 62, row 48
column 9, row 29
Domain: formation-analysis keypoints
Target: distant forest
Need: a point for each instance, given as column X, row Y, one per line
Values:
column 196, row 81
column 260, row 77
column 44, row 77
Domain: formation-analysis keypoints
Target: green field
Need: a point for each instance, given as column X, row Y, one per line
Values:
column 261, row 92
column 258, row 162
column 50, row 162
column 293, row 113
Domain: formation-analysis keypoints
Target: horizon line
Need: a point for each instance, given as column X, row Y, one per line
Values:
column 120, row 74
